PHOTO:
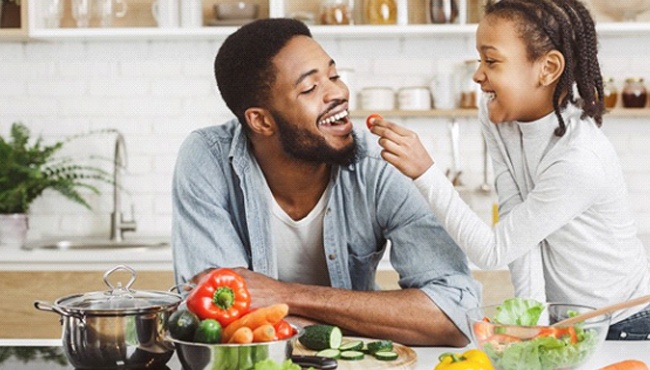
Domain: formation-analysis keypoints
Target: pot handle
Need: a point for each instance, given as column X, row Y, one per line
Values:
column 47, row 306
column 186, row 287
column 119, row 284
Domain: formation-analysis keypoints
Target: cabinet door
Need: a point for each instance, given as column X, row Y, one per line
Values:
column 20, row 289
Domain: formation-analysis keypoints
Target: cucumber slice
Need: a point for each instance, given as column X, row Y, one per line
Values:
column 380, row 346
column 386, row 356
column 352, row 355
column 354, row 345
column 319, row 337
column 329, row 353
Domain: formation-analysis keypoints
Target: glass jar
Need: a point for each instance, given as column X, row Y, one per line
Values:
column 469, row 90
column 634, row 93
column 442, row 11
column 380, row 11
column 336, row 12
column 610, row 93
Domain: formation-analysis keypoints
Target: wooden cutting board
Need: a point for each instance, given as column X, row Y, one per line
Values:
column 407, row 357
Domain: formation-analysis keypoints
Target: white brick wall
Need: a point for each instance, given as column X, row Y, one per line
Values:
column 156, row 92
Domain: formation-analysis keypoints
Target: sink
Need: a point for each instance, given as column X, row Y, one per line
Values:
column 97, row 243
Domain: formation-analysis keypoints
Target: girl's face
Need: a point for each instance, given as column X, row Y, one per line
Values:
column 510, row 82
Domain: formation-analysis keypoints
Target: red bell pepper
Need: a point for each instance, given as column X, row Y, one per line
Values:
column 221, row 295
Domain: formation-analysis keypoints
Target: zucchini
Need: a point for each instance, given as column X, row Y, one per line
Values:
column 386, row 355
column 380, row 346
column 352, row 355
column 354, row 345
column 329, row 353
column 320, row 337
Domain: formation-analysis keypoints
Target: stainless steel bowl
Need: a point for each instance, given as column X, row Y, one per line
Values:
column 200, row 356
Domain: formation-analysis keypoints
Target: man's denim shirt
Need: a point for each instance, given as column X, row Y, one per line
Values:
column 221, row 219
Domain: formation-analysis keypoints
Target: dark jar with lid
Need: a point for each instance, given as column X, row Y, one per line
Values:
column 634, row 93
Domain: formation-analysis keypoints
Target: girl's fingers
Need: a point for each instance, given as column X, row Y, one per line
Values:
column 384, row 124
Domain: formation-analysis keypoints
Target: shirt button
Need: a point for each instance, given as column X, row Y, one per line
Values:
column 623, row 334
column 332, row 256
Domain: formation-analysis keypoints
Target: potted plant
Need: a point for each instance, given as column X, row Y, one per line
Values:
column 27, row 169
column 9, row 13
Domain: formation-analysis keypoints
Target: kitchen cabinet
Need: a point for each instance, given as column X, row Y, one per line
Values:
column 16, row 34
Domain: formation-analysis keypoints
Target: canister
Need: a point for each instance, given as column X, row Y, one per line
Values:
column 414, row 98
column 377, row 98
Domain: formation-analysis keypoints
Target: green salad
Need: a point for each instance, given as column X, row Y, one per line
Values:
column 552, row 348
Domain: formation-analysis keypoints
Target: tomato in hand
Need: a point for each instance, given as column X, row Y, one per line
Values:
column 283, row 330
column 371, row 118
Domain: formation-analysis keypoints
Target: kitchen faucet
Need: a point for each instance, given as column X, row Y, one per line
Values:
column 118, row 224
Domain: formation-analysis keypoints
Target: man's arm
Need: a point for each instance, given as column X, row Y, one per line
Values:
column 407, row 316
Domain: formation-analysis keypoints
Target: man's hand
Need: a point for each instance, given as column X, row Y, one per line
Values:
column 264, row 290
column 402, row 148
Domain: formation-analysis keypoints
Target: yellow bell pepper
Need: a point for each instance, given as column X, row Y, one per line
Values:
column 472, row 359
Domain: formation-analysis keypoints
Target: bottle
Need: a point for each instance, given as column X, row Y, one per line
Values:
column 634, row 93
column 469, row 90
column 442, row 11
column 610, row 93
column 335, row 12
column 380, row 11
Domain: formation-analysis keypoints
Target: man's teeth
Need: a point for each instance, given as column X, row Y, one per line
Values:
column 334, row 118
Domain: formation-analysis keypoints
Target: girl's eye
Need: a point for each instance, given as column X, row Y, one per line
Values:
column 335, row 78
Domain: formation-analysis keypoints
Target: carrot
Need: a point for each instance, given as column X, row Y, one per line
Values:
column 254, row 319
column 626, row 365
column 264, row 333
column 242, row 335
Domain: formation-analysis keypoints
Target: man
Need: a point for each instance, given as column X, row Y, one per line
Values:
column 289, row 194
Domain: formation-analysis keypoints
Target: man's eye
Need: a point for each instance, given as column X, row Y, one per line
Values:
column 309, row 90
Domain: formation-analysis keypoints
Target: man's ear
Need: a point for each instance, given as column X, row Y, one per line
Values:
column 552, row 67
column 260, row 121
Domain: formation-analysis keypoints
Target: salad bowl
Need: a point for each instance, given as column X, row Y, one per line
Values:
column 519, row 334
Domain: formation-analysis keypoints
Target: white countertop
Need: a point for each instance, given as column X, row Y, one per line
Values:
column 611, row 352
column 141, row 259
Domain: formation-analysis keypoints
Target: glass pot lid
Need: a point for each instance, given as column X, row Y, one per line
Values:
column 119, row 299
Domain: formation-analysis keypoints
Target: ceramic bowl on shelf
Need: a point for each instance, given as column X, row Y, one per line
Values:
column 238, row 10
column 625, row 10
column 542, row 346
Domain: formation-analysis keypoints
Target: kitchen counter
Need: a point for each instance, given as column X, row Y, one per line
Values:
column 612, row 351
column 141, row 259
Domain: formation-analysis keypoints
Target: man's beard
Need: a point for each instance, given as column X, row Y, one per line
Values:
column 304, row 145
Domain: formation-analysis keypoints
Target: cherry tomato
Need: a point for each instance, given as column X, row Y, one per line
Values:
column 283, row 330
column 371, row 118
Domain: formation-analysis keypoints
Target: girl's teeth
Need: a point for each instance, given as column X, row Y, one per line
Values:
column 490, row 95
column 334, row 118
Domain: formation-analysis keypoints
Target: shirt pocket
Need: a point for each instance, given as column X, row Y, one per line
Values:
column 363, row 268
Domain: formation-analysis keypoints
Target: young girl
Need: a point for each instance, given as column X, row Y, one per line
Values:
column 566, row 229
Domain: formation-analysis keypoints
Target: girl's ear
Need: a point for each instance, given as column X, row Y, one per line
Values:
column 552, row 67
column 260, row 121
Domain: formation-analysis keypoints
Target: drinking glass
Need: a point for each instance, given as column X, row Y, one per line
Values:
column 81, row 11
column 52, row 13
column 106, row 9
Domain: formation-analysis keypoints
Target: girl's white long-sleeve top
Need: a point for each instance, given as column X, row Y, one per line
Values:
column 563, row 203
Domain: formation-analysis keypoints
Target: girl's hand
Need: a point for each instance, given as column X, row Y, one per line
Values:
column 402, row 148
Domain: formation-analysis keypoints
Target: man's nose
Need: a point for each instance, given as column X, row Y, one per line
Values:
column 336, row 90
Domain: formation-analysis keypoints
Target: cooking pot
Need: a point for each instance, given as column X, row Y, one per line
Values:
column 120, row 327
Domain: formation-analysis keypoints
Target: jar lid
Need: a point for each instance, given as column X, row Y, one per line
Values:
column 119, row 300
column 413, row 88
column 634, row 79
column 377, row 88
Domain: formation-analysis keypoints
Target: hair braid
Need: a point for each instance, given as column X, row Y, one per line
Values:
column 566, row 26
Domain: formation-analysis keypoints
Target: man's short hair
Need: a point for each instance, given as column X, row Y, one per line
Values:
column 243, row 67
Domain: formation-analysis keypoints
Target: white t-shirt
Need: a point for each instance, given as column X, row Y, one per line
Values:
column 563, row 207
column 299, row 244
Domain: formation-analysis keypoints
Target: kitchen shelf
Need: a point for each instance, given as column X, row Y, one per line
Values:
column 473, row 113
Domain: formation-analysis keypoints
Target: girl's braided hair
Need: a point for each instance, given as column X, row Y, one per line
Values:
column 565, row 26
